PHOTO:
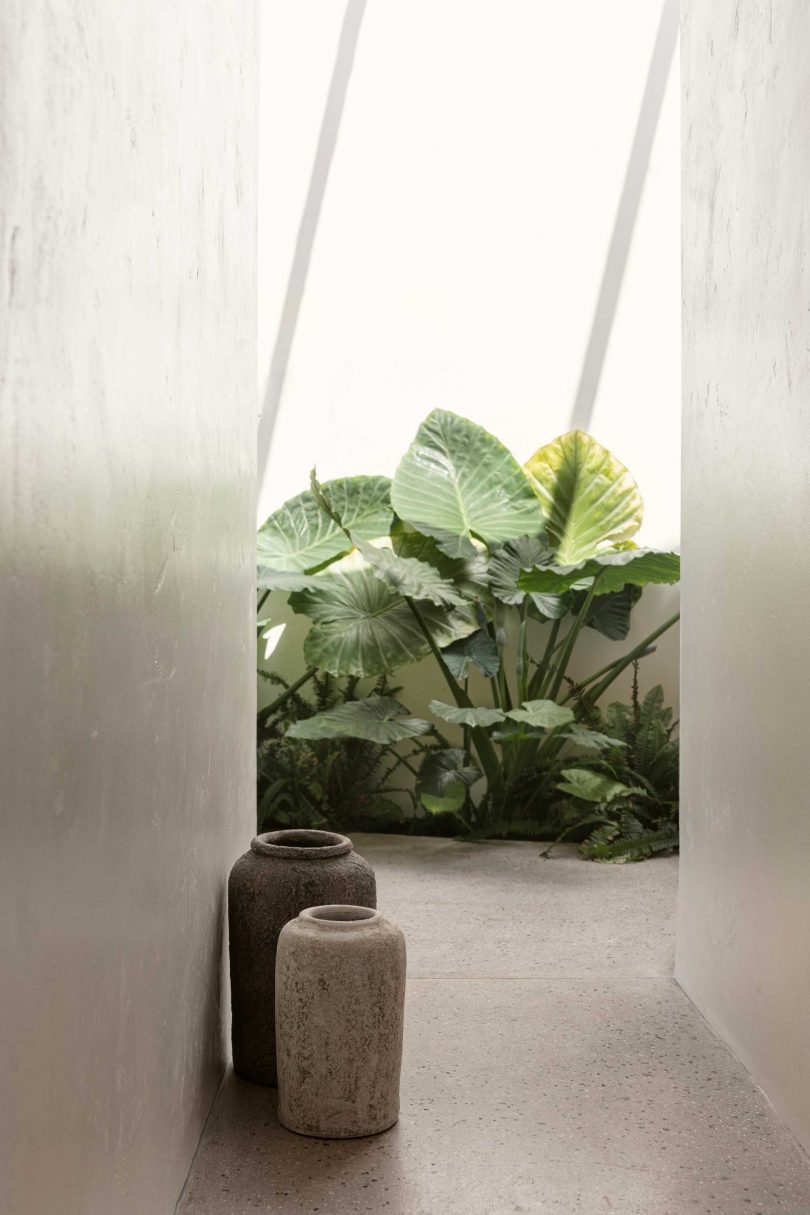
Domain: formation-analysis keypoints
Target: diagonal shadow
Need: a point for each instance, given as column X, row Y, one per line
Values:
column 604, row 315
column 308, row 226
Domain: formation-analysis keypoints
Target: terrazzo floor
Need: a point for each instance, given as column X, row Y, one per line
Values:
column 551, row 1063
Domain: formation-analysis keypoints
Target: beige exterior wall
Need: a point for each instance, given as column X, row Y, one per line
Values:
column 127, row 424
column 744, row 944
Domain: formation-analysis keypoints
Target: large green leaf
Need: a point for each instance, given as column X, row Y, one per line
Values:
column 591, row 786
column 468, row 571
column 409, row 576
column 448, row 802
column 465, row 717
column 457, row 478
column 300, row 536
column 511, row 731
column 478, row 650
column 272, row 580
column 380, row 719
column 444, row 779
column 545, row 713
column 362, row 628
column 448, row 543
column 588, row 497
column 635, row 566
column 508, row 562
column 610, row 614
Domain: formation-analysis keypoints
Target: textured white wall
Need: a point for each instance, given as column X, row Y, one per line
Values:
column 127, row 424
column 743, row 941
column 459, row 252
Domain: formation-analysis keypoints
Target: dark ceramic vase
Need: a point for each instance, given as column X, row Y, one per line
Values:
column 283, row 873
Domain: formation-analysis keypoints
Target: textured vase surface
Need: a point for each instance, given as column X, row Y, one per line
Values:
column 340, row 992
column 283, row 873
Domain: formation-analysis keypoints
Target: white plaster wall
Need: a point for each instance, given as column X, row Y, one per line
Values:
column 127, row 430
column 743, row 942
column 461, row 243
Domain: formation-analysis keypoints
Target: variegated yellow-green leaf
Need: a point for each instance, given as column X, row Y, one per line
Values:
column 300, row 536
column 362, row 628
column 459, row 479
column 588, row 496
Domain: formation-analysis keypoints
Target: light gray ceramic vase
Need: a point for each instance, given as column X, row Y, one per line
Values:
column 284, row 872
column 340, row 992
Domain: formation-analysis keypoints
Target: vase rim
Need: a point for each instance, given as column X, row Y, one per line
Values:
column 339, row 916
column 302, row 844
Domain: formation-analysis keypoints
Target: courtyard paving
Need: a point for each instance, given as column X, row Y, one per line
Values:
column 551, row 1063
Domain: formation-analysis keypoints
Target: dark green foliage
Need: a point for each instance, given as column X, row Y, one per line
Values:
column 642, row 820
column 317, row 783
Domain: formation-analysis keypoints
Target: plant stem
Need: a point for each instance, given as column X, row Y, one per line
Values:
column 554, row 742
column 401, row 760
column 523, row 654
column 570, row 640
column 404, row 761
column 458, row 693
column 483, row 745
column 500, row 642
column 525, row 752
column 493, row 679
column 261, row 601
column 541, row 787
column 614, row 669
column 539, row 676
column 267, row 712
column 552, row 667
column 466, row 743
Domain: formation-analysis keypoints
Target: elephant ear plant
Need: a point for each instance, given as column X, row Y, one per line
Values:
column 482, row 564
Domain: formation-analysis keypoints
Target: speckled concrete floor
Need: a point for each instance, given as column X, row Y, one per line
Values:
column 551, row 1064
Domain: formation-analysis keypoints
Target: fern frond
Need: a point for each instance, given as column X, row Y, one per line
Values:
column 625, row 849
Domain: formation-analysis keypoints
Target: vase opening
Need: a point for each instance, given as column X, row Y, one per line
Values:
column 300, row 841
column 301, row 844
column 337, row 913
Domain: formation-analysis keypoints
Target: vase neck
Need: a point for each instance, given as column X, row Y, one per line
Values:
column 301, row 845
column 339, row 917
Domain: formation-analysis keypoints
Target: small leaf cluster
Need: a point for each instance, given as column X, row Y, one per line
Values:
column 627, row 796
column 320, row 782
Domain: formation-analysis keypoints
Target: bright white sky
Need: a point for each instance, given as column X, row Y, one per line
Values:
column 464, row 231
